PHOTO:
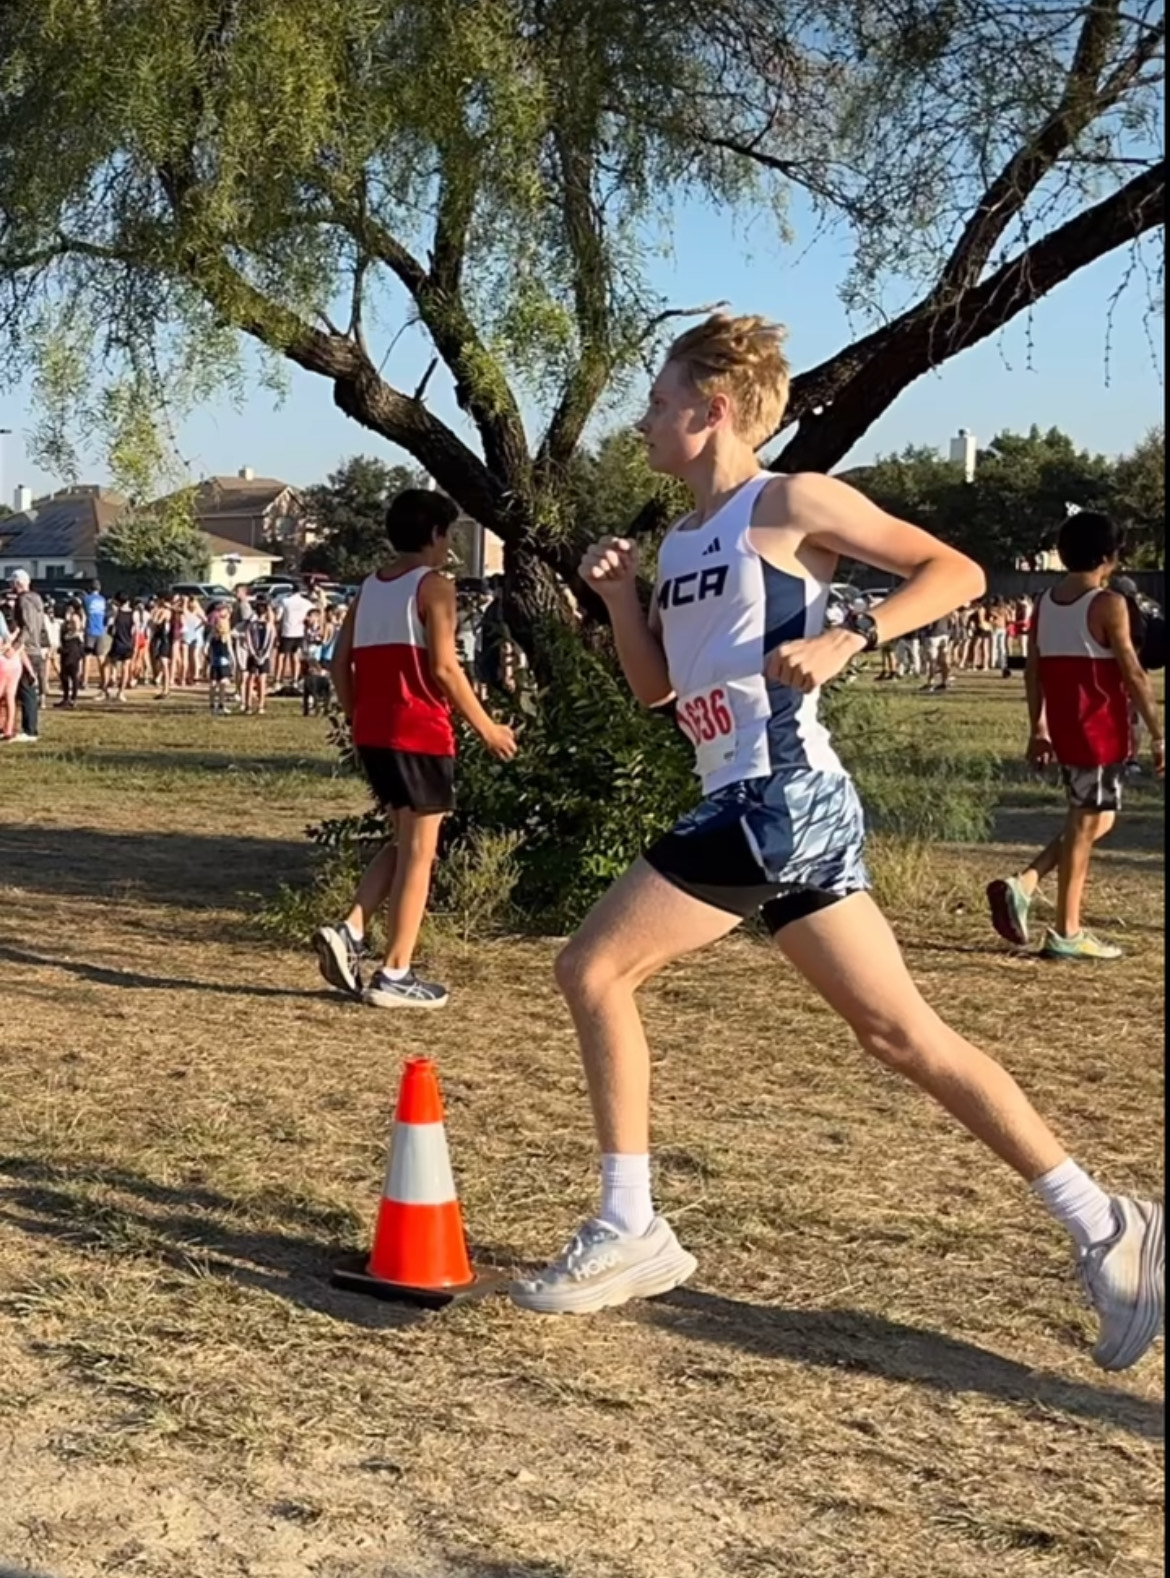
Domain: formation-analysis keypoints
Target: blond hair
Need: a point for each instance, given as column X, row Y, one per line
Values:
column 744, row 359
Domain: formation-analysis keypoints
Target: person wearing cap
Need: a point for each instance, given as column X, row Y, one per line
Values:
column 28, row 620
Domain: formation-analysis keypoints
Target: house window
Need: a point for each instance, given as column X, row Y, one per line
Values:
column 55, row 572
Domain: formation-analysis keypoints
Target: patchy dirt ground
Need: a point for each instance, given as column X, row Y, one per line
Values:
column 878, row 1372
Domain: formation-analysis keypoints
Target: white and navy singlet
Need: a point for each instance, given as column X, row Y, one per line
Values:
column 780, row 829
column 723, row 610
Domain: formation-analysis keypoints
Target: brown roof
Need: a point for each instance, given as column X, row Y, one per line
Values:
column 62, row 525
column 234, row 497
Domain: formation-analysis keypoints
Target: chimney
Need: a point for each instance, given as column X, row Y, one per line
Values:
column 22, row 499
column 246, row 474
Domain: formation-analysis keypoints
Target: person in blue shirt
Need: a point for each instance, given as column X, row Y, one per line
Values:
column 97, row 636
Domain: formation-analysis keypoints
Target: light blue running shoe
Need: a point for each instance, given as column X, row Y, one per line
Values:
column 1011, row 908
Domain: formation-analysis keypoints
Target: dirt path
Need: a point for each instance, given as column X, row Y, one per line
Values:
column 879, row 1371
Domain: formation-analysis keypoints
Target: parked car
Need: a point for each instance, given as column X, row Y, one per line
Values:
column 205, row 591
column 273, row 589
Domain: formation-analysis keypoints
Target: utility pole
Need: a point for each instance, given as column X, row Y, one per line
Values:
column 5, row 432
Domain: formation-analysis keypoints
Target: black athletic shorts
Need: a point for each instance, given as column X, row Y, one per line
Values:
column 409, row 780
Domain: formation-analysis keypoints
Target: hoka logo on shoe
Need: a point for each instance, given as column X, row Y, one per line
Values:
column 595, row 1265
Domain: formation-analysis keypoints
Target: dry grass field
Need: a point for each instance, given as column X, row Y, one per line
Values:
column 880, row 1370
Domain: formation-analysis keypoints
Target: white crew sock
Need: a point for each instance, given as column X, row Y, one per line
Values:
column 394, row 975
column 625, row 1194
column 356, row 933
column 1071, row 1196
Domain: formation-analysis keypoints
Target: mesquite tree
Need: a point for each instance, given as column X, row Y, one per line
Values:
column 180, row 178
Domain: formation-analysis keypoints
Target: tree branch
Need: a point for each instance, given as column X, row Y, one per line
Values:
column 799, row 173
column 838, row 401
column 454, row 213
column 587, row 380
column 668, row 314
column 1083, row 101
column 358, row 388
column 443, row 313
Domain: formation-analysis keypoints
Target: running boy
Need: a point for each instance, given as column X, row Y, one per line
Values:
column 736, row 637
column 1085, row 681
column 397, row 676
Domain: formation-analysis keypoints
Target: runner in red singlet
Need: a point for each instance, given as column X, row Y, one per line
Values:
column 397, row 675
column 1085, row 681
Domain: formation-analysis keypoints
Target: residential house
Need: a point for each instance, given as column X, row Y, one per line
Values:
column 232, row 565
column 252, row 512
column 55, row 537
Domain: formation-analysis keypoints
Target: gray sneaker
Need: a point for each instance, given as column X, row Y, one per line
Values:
column 601, row 1268
column 1125, row 1279
column 409, row 992
column 339, row 959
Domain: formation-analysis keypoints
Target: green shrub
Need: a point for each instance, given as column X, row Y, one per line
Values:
column 475, row 885
column 597, row 779
column 535, row 842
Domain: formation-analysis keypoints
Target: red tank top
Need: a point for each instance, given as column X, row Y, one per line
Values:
column 1085, row 700
column 397, row 704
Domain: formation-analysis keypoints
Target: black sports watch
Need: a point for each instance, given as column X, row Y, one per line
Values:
column 864, row 625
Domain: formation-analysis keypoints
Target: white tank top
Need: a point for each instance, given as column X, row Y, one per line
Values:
column 723, row 610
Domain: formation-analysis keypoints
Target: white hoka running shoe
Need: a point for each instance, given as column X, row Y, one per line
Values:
column 601, row 1268
column 1125, row 1279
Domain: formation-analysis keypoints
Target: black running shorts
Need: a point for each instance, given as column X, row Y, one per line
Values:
column 409, row 780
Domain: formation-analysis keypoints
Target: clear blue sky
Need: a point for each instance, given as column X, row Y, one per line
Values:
column 1053, row 372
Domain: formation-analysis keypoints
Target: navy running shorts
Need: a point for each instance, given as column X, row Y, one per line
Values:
column 784, row 847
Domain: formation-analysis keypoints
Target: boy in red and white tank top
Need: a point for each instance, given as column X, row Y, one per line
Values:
column 1084, row 682
column 398, row 679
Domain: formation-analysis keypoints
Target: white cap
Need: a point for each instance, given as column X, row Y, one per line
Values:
column 19, row 579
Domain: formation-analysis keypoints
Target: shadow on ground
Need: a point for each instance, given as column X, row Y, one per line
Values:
column 197, row 1230
column 194, row 1228
column 182, row 869
column 867, row 1343
column 1138, row 837
column 102, row 975
column 199, row 763
column 456, row 1566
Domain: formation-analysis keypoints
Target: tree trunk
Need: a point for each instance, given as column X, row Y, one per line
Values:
column 535, row 606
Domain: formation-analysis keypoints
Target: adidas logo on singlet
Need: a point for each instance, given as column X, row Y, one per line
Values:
column 714, row 546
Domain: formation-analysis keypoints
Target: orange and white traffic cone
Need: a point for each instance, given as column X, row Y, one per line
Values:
column 420, row 1250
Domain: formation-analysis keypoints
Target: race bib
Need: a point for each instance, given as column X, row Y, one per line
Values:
column 706, row 718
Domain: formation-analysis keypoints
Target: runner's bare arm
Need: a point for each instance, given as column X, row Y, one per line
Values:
column 1114, row 615
column 610, row 568
column 838, row 519
column 439, row 609
column 340, row 664
column 1040, row 751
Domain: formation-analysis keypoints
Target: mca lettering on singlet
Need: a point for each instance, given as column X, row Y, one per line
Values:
column 723, row 610
column 694, row 587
